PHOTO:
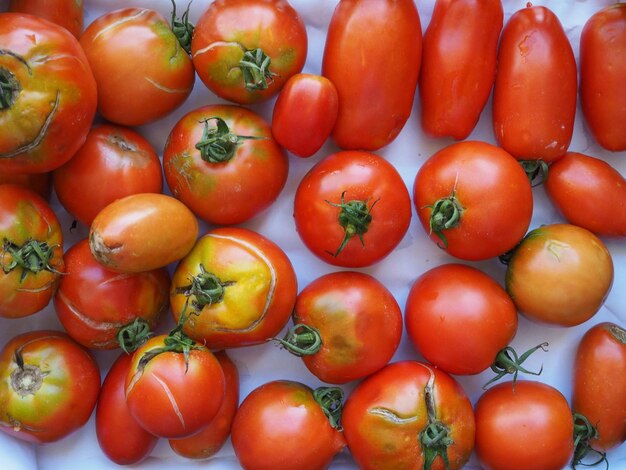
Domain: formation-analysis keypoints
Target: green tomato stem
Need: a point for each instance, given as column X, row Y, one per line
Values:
column 355, row 218
column 133, row 335
column 584, row 433
column 182, row 27
column 508, row 362
column 32, row 257
column 218, row 144
column 301, row 340
column 331, row 401
column 255, row 67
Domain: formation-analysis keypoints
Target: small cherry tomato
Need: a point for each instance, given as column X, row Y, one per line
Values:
column 66, row 13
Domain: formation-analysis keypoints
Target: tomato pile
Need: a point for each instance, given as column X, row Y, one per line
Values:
column 414, row 212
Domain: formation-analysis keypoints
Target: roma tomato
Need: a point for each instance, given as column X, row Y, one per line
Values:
column 224, row 164
column 48, row 386
column 245, row 50
column 237, row 287
column 48, row 97
column 41, row 183
column 283, row 425
column 352, row 209
column 534, row 96
column 391, row 419
column 375, row 69
column 66, row 13
column 473, row 199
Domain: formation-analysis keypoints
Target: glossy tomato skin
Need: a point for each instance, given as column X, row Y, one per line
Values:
column 66, row 13
column 528, row 425
column 225, row 192
column 534, row 97
column 385, row 414
column 353, row 176
column 458, row 65
column 375, row 95
column 493, row 196
column 123, row 41
column 44, row 124
column 603, row 74
column 280, row 426
column 110, row 153
column 52, row 393
column 259, row 289
column 229, row 28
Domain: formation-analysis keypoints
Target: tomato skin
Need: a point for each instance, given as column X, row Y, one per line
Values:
column 375, row 95
column 458, row 65
column 601, row 360
column 603, row 74
column 528, row 425
column 305, row 113
column 66, row 13
column 64, row 394
column 41, row 183
column 534, row 97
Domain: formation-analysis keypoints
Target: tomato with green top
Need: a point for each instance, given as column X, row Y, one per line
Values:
column 66, row 13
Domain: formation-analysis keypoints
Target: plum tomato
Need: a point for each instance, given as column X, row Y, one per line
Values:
column 66, row 13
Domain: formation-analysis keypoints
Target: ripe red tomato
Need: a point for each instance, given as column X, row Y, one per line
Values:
column 375, row 68
column 66, row 13
column 458, row 65
column 473, row 199
column 49, row 386
column 534, row 96
column 245, row 50
column 352, row 209
column 224, row 164
column 41, row 183
column 48, row 97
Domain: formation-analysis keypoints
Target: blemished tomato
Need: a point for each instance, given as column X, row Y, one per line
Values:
column 283, row 425
column 473, row 199
column 458, row 65
column 66, row 13
column 305, row 113
column 142, row 70
column 352, row 209
column 120, row 437
column 237, row 287
column 41, row 183
column 375, row 69
column 245, row 50
column 522, row 426
column 603, row 74
column 391, row 417
column 48, row 386
column 534, row 96
column 48, row 97
column 572, row 261
column 224, row 164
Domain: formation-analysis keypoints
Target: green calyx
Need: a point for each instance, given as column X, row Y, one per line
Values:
column 218, row 144
column 301, row 340
column 182, row 27
column 331, row 401
column 445, row 214
column 536, row 171
column 508, row 362
column 584, row 433
column 9, row 88
column 206, row 289
column 255, row 67
column 435, row 437
column 32, row 257
column 355, row 218
column 133, row 335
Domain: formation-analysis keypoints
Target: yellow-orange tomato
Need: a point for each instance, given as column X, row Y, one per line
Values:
column 66, row 13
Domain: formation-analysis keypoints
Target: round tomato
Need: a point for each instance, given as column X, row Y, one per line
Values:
column 48, row 386
column 48, row 94
column 224, row 164
column 245, row 50
column 473, row 199
column 352, row 209
column 41, row 183
column 66, row 13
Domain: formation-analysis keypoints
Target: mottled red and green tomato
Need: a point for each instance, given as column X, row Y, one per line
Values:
column 66, row 13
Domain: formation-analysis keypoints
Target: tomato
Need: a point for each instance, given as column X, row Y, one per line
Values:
column 603, row 74
column 48, row 386
column 66, row 13
column 375, row 69
column 245, row 50
column 534, row 96
column 473, row 199
column 237, row 287
column 223, row 163
column 352, row 209
column 283, row 425
column 142, row 232
column 572, row 261
column 48, row 97
column 120, row 43
column 41, row 183
column 120, row 437
column 103, row 309
column 392, row 418
column 305, row 113
column 458, row 65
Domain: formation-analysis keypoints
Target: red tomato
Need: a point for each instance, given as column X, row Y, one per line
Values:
column 352, row 209
column 392, row 416
column 66, row 13
column 458, row 65
column 603, row 74
column 245, row 50
column 375, row 68
column 41, row 183
column 49, row 386
column 534, row 96
column 305, row 113
column 473, row 199
column 48, row 97
column 223, row 163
